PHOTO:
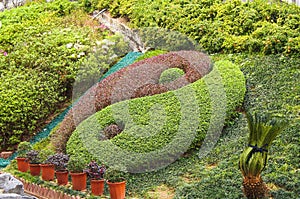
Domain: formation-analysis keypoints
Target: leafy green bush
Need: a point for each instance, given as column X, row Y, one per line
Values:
column 151, row 123
column 44, row 48
column 170, row 75
column 23, row 148
column 77, row 164
column 28, row 96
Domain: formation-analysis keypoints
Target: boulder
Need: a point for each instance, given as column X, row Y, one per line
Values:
column 9, row 184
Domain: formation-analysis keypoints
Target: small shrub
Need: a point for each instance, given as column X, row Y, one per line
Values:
column 115, row 174
column 23, row 148
column 33, row 157
column 44, row 154
column 76, row 164
column 59, row 160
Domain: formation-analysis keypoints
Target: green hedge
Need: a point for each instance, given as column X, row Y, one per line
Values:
column 156, row 124
column 219, row 26
column 25, row 102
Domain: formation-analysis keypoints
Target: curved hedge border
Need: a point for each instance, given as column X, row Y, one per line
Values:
column 152, row 123
column 136, row 80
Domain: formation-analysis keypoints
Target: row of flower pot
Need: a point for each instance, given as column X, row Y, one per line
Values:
column 47, row 170
column 48, row 173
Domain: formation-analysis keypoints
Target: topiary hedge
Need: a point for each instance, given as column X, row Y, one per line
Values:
column 137, row 80
column 157, row 129
column 219, row 26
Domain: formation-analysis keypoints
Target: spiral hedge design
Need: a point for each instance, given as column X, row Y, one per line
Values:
column 157, row 129
column 137, row 80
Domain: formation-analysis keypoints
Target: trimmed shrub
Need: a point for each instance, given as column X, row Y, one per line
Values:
column 159, row 127
column 135, row 80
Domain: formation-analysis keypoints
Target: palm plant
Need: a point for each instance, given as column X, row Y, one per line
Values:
column 263, row 130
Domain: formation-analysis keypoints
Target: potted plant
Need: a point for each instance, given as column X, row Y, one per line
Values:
column 46, row 167
column 60, row 160
column 76, row 166
column 22, row 161
column 34, row 162
column 96, row 173
column 263, row 130
column 115, row 178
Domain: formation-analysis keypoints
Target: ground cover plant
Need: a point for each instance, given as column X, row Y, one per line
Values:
column 219, row 26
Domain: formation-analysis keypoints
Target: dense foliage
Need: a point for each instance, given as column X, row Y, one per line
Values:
column 137, row 80
column 43, row 45
column 219, row 26
column 154, row 125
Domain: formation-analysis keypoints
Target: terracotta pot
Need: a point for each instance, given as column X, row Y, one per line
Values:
column 23, row 164
column 78, row 181
column 35, row 169
column 62, row 177
column 117, row 189
column 47, row 172
column 97, row 187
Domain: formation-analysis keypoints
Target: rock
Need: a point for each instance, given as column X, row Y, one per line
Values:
column 9, row 184
column 10, row 196
column 15, row 196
